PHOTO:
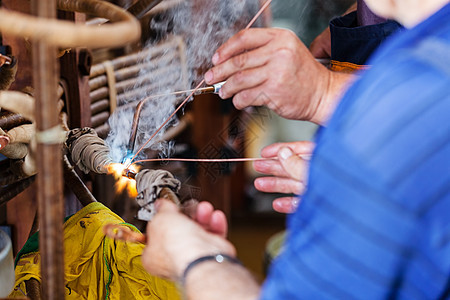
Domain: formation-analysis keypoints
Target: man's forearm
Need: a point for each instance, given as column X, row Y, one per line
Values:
column 210, row 280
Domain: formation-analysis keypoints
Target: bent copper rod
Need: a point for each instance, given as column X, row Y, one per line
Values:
column 205, row 90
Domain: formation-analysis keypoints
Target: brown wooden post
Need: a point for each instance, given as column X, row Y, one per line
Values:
column 21, row 210
column 48, row 159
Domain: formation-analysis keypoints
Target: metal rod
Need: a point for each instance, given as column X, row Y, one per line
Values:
column 98, row 107
column 48, row 160
column 9, row 178
column 124, row 29
column 133, row 70
column 130, row 84
column 132, row 59
column 9, row 120
column 99, row 119
column 77, row 186
column 14, row 189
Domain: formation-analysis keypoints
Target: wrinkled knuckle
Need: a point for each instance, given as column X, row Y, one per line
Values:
column 240, row 61
column 285, row 53
column 217, row 72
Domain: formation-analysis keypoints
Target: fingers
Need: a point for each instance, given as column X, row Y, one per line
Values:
column 321, row 46
column 250, row 97
column 286, row 205
column 211, row 220
column 279, row 185
column 270, row 167
column 291, row 163
column 241, row 81
column 219, row 223
column 295, row 167
column 204, row 212
column 243, row 41
column 243, row 61
column 300, row 147
column 172, row 232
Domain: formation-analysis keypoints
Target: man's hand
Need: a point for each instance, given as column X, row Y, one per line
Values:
column 204, row 214
column 271, row 67
column 289, row 172
column 174, row 241
column 321, row 46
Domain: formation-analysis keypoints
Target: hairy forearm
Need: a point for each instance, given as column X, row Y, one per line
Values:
column 337, row 84
column 211, row 280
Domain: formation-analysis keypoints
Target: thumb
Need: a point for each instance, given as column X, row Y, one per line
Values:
column 164, row 205
column 291, row 163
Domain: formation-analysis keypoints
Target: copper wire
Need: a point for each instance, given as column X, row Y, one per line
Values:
column 262, row 9
column 212, row 160
column 206, row 160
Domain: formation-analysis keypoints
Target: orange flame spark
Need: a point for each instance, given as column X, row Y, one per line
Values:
column 122, row 182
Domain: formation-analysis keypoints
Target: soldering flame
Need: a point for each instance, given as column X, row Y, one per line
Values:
column 122, row 182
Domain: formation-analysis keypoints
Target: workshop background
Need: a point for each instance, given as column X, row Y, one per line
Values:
column 95, row 84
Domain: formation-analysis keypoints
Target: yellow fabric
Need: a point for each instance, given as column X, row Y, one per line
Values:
column 97, row 267
column 346, row 67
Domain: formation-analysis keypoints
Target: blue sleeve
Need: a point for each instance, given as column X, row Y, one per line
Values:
column 374, row 222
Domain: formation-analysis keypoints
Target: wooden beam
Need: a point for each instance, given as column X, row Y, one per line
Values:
column 48, row 160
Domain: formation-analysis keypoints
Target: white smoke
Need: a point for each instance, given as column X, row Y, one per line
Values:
column 203, row 30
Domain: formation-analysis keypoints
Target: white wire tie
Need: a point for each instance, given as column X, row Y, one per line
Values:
column 52, row 136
